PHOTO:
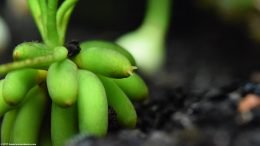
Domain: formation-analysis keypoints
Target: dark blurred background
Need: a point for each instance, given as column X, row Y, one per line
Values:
column 209, row 42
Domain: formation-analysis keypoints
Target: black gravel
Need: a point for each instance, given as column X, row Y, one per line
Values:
column 180, row 118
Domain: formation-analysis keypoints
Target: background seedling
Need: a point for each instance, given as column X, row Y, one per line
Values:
column 147, row 43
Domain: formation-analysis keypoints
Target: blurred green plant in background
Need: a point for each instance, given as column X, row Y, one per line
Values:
column 4, row 35
column 238, row 12
column 147, row 43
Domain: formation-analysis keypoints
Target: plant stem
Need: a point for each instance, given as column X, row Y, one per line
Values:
column 157, row 15
column 35, row 8
column 52, row 33
column 59, row 53
column 63, row 16
column 44, row 9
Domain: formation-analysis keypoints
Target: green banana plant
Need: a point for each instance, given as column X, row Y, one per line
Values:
column 77, row 81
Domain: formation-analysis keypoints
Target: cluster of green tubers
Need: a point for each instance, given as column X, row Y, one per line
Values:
column 53, row 91
column 77, row 91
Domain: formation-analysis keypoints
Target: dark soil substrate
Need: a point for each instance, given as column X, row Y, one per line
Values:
column 179, row 118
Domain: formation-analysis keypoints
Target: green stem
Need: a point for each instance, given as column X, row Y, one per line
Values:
column 35, row 8
column 59, row 53
column 157, row 15
column 52, row 33
column 63, row 16
column 44, row 9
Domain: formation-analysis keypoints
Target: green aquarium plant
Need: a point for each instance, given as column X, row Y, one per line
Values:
column 54, row 90
column 147, row 43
